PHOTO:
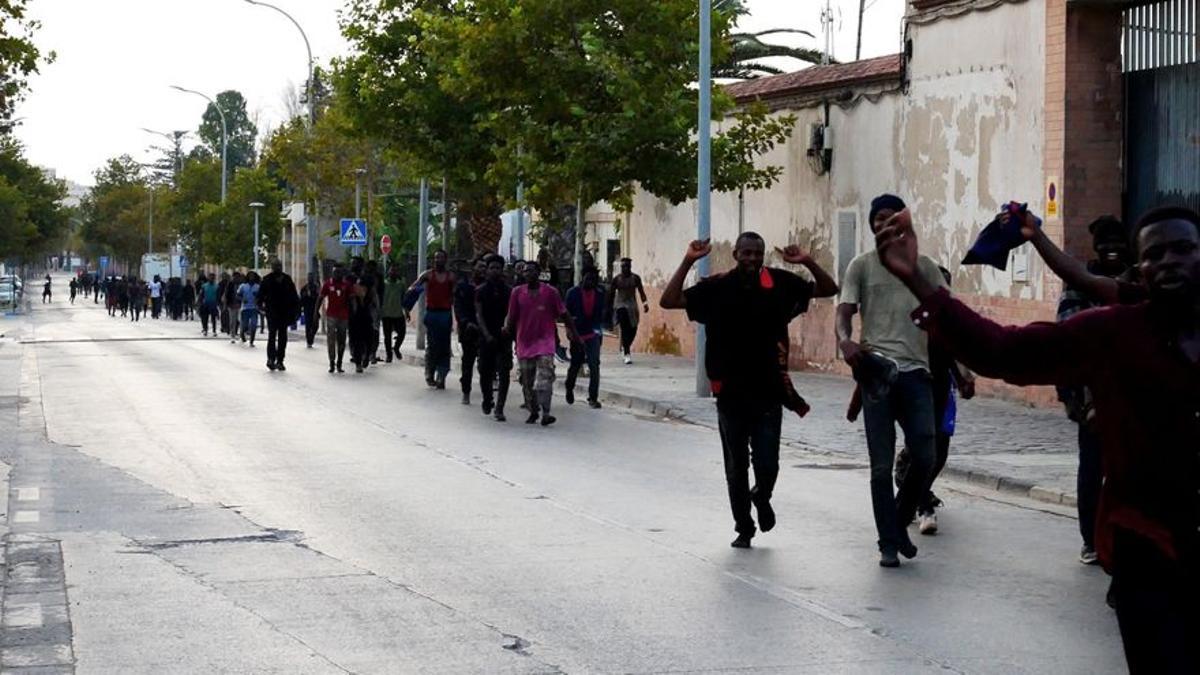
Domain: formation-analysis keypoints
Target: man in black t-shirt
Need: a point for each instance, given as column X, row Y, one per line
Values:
column 746, row 312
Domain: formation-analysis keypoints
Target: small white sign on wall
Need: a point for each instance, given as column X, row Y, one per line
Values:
column 1020, row 264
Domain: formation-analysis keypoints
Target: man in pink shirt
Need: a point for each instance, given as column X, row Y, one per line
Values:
column 533, row 313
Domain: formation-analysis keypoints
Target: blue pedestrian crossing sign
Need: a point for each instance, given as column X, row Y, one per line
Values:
column 104, row 261
column 354, row 232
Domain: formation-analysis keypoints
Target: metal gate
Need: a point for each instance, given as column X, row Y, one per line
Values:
column 1161, row 63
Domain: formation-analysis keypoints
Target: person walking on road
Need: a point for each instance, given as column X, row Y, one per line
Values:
column 468, row 322
column 534, row 310
column 891, row 365
column 1142, row 364
column 335, row 293
column 392, row 313
column 46, row 293
column 210, row 312
column 586, row 305
column 746, row 313
column 233, row 307
column 439, row 300
column 627, row 290
column 137, row 299
column 156, row 296
column 72, row 288
column 310, row 305
column 280, row 304
column 496, row 347
column 187, row 300
column 362, row 321
column 247, row 298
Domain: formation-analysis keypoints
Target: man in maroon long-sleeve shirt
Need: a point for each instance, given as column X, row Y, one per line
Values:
column 1142, row 363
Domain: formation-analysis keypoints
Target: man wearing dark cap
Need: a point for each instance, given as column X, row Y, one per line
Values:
column 891, row 363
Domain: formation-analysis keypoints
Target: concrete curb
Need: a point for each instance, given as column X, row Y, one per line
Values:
column 989, row 480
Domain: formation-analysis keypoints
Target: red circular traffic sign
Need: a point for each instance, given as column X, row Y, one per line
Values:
column 385, row 244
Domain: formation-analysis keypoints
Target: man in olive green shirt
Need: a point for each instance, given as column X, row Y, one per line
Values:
column 891, row 364
column 392, row 314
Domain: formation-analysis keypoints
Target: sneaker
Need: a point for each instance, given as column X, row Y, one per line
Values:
column 331, row 367
column 766, row 514
column 742, row 541
column 270, row 365
column 570, row 397
column 928, row 523
column 888, row 558
column 532, row 419
column 466, row 399
column 487, row 407
column 358, row 368
column 907, row 548
column 594, row 404
column 629, row 362
column 547, row 420
column 500, row 416
column 1088, row 556
column 280, row 367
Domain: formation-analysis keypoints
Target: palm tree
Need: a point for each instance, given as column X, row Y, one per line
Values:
column 747, row 48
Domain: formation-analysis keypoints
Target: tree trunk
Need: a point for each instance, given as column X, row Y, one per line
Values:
column 481, row 215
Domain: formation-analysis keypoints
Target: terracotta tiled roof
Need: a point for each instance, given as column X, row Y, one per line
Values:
column 816, row 78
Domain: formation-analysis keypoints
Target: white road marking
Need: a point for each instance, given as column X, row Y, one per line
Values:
column 29, row 494
column 26, row 517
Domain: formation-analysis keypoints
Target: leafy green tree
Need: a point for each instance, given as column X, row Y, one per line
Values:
column 227, row 230
column 116, row 212
column 588, row 100
column 743, row 59
column 393, row 91
column 240, row 130
column 199, row 183
column 35, row 221
column 20, row 58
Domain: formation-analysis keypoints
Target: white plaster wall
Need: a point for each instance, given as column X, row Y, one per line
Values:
column 965, row 137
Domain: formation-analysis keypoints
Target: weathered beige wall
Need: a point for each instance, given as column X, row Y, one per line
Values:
column 963, row 138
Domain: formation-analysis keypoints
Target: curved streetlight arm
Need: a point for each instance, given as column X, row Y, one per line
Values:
column 312, row 94
column 224, row 137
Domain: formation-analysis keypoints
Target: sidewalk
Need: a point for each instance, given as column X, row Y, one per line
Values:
column 998, row 444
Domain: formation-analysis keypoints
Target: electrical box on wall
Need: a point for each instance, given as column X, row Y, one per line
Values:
column 820, row 148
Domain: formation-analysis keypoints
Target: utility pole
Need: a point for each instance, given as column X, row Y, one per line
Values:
column 257, row 206
column 358, row 174
column 422, row 254
column 862, row 9
column 445, row 218
column 704, row 178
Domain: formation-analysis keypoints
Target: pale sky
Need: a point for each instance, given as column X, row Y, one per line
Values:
column 117, row 59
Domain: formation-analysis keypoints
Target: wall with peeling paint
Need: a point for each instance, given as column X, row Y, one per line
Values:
column 964, row 137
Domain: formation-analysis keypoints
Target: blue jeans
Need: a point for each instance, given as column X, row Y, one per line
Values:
column 437, row 353
column 743, row 430
column 588, row 352
column 909, row 403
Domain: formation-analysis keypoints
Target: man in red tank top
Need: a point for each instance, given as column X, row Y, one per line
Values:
column 439, row 299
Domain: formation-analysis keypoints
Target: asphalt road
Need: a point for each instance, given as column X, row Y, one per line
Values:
column 211, row 516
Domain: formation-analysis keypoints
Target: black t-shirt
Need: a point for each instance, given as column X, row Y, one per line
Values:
column 493, row 301
column 747, row 332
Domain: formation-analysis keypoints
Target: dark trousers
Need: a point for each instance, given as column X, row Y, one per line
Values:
column 470, row 352
column 438, row 328
column 277, row 339
column 209, row 312
column 1156, row 600
column 588, row 352
column 1087, row 483
column 394, row 330
column 312, row 321
column 495, row 369
column 156, row 307
column 749, row 438
column 909, row 402
column 335, row 339
column 628, row 330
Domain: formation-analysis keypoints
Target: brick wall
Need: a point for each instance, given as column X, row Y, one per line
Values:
column 1092, row 138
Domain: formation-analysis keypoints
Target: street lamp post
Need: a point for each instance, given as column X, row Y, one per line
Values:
column 358, row 174
column 224, row 138
column 703, row 176
column 175, row 137
column 310, row 224
column 257, row 206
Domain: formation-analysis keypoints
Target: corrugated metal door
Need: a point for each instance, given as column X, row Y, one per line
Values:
column 1162, row 110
